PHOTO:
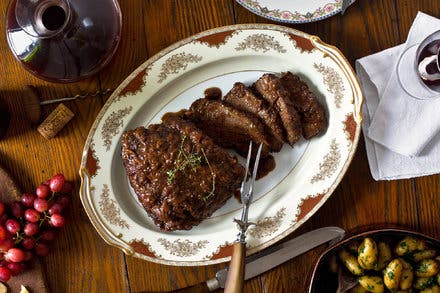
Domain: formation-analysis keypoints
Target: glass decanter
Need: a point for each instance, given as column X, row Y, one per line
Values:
column 63, row 40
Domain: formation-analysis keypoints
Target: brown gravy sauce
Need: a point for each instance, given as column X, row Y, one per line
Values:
column 266, row 166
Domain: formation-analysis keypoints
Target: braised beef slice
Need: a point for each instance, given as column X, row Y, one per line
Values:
column 228, row 126
column 270, row 88
column 213, row 93
column 312, row 113
column 243, row 99
column 178, row 173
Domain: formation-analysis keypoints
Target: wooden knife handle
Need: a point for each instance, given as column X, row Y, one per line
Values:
column 235, row 280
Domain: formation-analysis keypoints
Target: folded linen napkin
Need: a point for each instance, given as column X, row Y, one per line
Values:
column 374, row 73
column 402, row 123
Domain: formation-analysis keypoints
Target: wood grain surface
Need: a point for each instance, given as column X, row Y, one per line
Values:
column 82, row 262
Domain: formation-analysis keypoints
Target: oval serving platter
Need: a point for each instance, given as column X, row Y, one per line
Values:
column 294, row 11
column 304, row 177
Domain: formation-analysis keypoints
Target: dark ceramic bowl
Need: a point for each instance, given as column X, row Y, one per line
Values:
column 324, row 280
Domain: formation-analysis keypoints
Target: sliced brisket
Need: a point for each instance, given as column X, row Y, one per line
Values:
column 271, row 89
column 228, row 126
column 313, row 118
column 243, row 99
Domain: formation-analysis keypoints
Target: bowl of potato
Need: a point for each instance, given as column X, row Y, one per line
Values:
column 385, row 260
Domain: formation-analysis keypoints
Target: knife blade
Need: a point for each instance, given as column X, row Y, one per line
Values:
column 267, row 259
column 345, row 4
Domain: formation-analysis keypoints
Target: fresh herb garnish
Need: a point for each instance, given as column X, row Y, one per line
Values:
column 213, row 178
column 183, row 161
column 192, row 161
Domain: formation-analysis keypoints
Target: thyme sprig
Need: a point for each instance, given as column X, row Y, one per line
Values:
column 184, row 160
column 211, row 193
column 193, row 161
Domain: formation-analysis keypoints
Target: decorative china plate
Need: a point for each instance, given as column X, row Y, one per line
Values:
column 304, row 178
column 293, row 11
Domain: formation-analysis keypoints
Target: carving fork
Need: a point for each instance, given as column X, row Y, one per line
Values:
column 235, row 279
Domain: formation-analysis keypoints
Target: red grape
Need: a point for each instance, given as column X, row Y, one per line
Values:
column 16, row 268
column 17, row 209
column 6, row 244
column 48, row 235
column 27, row 199
column 41, row 205
column 15, row 255
column 67, row 188
column 3, row 233
column 5, row 274
column 2, row 208
column 31, row 215
column 13, row 226
column 63, row 200
column 42, row 191
column 20, row 227
column 41, row 249
column 30, row 229
column 28, row 243
column 57, row 220
column 27, row 255
column 55, row 208
column 3, row 219
column 57, row 183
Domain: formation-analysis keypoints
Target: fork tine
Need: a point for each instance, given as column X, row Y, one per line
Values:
column 254, row 172
column 248, row 160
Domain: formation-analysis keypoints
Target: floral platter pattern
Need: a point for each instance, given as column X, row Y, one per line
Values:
column 293, row 11
column 170, row 81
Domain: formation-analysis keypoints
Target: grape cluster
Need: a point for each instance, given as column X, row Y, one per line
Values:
column 29, row 225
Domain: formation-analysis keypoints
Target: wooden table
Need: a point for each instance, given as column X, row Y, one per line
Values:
column 82, row 262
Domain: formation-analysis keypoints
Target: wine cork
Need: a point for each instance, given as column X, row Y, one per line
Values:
column 55, row 121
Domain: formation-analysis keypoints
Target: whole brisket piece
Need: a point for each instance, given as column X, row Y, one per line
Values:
column 313, row 118
column 178, row 173
column 243, row 99
column 228, row 126
column 270, row 88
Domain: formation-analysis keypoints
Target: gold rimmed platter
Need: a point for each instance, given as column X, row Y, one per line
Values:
column 304, row 177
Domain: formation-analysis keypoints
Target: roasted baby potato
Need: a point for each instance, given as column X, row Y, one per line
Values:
column 409, row 245
column 423, row 283
column 423, row 254
column 367, row 254
column 427, row 268
column 351, row 263
column 406, row 279
column 387, row 264
column 372, row 283
column 358, row 289
column 392, row 274
column 384, row 255
column 433, row 289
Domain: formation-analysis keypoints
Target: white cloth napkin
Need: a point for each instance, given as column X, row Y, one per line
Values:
column 402, row 123
column 374, row 73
